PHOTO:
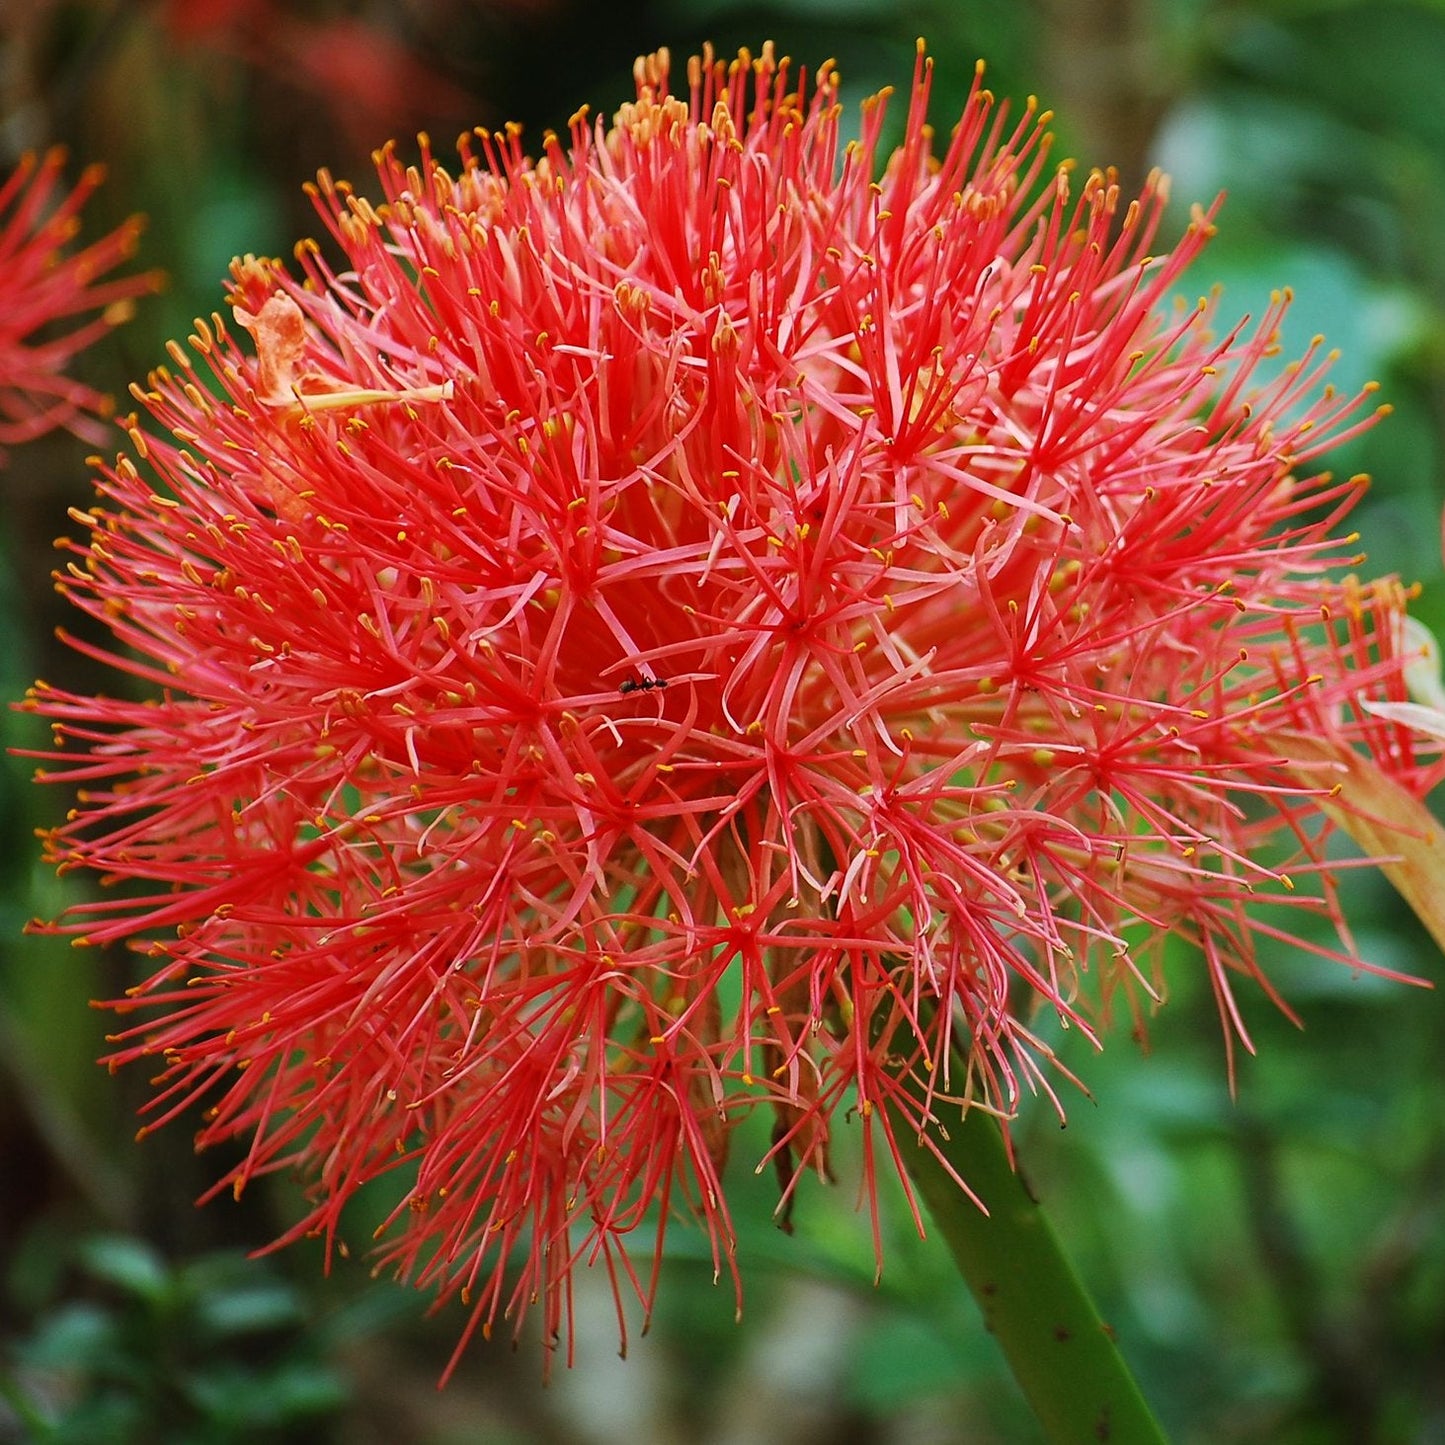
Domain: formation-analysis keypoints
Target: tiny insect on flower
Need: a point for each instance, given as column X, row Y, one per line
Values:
column 1001, row 584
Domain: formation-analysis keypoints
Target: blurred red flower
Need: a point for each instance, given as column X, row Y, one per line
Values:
column 369, row 80
column 693, row 622
column 53, row 303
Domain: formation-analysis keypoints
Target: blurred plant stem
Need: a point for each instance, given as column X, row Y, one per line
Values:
column 1062, row 1354
column 35, row 1424
column 106, row 1189
column 1103, row 60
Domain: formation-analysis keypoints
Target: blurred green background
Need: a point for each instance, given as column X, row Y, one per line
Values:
column 1274, row 1264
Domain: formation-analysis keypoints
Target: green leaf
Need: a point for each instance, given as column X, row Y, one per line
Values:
column 260, row 1307
column 72, row 1337
column 247, row 1400
column 129, row 1264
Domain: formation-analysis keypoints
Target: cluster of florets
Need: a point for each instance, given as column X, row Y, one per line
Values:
column 711, row 617
column 53, row 300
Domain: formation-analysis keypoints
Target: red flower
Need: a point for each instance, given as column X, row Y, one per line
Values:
column 364, row 76
column 40, row 285
column 696, row 622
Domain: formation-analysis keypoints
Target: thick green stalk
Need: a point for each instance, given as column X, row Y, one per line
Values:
column 29, row 1417
column 1061, row 1352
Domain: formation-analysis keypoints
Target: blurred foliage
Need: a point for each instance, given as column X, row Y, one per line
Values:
column 1274, row 1262
column 212, row 1351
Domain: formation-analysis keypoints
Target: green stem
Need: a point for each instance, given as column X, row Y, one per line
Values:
column 1062, row 1354
column 35, row 1423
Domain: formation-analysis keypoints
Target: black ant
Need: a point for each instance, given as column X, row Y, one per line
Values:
column 645, row 684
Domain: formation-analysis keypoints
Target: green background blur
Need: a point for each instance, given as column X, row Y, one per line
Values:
column 1274, row 1264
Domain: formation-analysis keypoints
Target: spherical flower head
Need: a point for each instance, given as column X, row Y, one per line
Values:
column 53, row 302
column 708, row 618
